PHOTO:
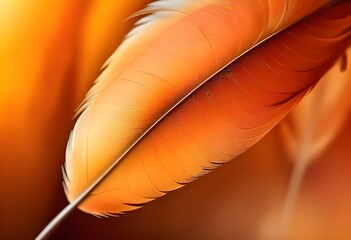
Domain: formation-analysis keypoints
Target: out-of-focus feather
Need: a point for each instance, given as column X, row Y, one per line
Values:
column 313, row 124
column 153, row 122
column 322, row 113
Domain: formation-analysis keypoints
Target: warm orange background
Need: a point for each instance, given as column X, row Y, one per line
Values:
column 50, row 53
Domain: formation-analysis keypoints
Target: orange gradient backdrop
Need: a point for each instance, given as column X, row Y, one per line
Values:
column 50, row 53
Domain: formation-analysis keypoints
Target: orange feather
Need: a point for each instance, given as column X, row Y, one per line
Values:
column 154, row 120
column 321, row 114
column 313, row 125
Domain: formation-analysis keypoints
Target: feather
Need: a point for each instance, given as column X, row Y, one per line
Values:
column 321, row 114
column 312, row 125
column 175, row 101
column 213, row 124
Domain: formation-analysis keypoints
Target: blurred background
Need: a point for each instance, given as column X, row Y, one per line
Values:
column 51, row 52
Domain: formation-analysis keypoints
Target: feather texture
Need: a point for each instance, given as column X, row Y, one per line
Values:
column 162, row 113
